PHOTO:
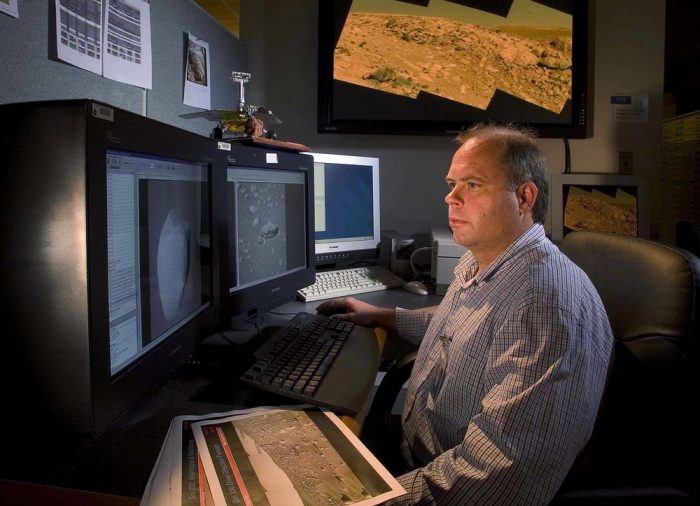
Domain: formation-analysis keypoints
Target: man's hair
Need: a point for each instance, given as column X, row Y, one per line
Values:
column 520, row 158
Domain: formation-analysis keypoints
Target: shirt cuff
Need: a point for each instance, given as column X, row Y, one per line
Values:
column 412, row 325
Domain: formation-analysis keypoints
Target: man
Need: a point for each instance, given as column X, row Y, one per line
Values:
column 512, row 364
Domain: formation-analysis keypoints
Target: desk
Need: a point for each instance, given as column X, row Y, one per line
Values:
column 120, row 462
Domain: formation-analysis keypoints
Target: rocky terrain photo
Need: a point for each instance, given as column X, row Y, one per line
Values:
column 459, row 61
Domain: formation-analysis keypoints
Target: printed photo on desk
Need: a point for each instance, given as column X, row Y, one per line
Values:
column 290, row 456
column 178, row 478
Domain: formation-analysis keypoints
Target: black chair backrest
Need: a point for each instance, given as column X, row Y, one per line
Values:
column 651, row 292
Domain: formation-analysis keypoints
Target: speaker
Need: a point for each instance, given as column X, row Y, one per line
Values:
column 395, row 252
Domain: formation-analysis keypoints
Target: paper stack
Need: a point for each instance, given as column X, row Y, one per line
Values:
column 278, row 456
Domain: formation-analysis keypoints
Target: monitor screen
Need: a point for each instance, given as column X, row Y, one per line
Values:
column 270, row 228
column 158, row 250
column 599, row 202
column 346, row 205
column 268, row 208
column 439, row 66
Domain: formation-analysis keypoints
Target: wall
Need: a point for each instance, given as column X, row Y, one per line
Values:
column 31, row 71
column 629, row 50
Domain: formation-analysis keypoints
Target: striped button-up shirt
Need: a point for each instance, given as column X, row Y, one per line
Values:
column 507, row 381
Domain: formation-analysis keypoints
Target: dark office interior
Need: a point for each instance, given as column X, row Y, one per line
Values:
column 89, row 428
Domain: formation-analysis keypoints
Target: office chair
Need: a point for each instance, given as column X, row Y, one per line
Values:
column 644, row 436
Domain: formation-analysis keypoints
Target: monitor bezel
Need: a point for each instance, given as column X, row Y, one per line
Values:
column 560, row 181
column 246, row 302
column 114, row 395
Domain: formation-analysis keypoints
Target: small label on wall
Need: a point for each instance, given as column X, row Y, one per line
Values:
column 630, row 108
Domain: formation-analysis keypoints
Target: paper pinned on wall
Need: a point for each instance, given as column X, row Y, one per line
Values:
column 108, row 37
column 197, row 92
column 9, row 7
column 127, row 42
column 79, row 34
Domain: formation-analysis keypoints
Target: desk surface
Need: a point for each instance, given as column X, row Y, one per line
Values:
column 397, row 297
column 121, row 461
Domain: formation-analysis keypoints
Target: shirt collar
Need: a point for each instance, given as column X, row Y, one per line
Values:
column 467, row 265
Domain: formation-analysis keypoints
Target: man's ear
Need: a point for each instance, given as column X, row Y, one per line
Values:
column 527, row 195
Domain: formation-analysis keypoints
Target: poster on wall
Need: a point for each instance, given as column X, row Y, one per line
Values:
column 9, row 7
column 108, row 37
column 79, row 34
column 127, row 42
column 197, row 90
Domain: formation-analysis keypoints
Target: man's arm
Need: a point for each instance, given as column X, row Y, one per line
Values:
column 541, row 393
column 409, row 324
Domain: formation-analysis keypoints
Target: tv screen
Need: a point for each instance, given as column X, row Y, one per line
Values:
column 610, row 203
column 438, row 66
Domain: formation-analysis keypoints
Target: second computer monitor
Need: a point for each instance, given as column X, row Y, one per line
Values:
column 269, row 221
column 346, row 203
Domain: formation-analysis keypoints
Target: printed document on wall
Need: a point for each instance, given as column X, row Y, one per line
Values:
column 9, row 7
column 127, row 42
column 79, row 33
column 197, row 90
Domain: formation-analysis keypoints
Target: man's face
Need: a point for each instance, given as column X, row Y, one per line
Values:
column 485, row 215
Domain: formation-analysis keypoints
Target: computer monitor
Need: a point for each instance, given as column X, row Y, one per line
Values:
column 346, row 201
column 107, row 262
column 612, row 203
column 270, row 215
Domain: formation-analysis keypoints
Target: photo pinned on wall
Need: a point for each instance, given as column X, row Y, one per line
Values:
column 9, row 7
column 197, row 92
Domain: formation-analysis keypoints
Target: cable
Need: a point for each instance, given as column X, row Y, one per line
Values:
column 410, row 260
column 567, row 156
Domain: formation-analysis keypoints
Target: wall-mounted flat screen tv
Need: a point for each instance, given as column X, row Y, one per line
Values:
column 438, row 66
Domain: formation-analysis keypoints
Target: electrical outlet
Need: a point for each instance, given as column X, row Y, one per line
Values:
column 626, row 162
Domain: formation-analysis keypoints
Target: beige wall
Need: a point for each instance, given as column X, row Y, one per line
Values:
column 629, row 50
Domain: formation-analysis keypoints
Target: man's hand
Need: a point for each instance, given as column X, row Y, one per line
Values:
column 350, row 309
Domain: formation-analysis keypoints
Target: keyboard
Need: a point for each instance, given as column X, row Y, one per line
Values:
column 345, row 282
column 318, row 360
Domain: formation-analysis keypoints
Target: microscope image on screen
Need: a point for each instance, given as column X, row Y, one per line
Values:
column 262, row 230
column 173, row 262
column 174, row 258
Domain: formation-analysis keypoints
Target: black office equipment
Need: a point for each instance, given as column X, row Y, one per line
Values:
column 107, row 260
column 318, row 360
column 268, row 251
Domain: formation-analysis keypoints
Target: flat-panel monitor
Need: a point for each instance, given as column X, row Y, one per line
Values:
column 611, row 203
column 108, row 259
column 438, row 66
column 269, row 251
column 346, row 201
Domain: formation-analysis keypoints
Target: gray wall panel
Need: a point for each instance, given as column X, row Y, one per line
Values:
column 30, row 70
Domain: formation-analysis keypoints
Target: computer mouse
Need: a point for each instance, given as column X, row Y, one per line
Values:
column 331, row 307
column 415, row 287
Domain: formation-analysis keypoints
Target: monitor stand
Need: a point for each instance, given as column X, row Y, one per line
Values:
column 148, row 407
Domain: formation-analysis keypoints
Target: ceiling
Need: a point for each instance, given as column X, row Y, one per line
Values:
column 226, row 12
